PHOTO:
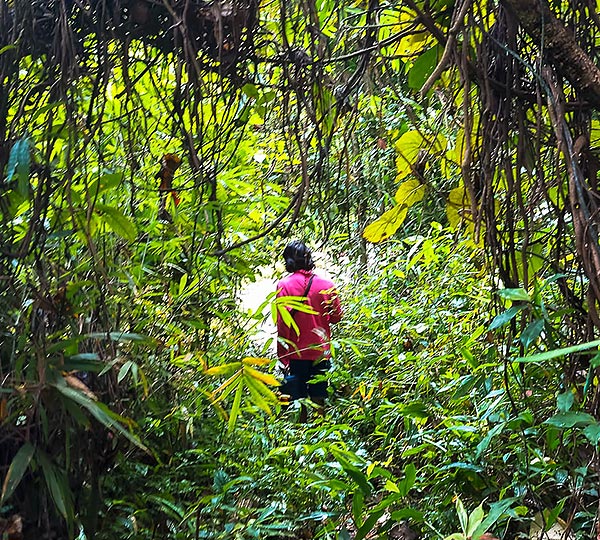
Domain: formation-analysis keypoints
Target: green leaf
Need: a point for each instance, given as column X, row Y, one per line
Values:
column 57, row 485
column 358, row 505
column 571, row 419
column 532, row 332
column 485, row 442
column 368, row 525
column 565, row 401
column 497, row 509
column 16, row 471
column 121, row 337
column 117, row 221
column 548, row 355
column 416, row 409
column 84, row 362
column 410, row 476
column 125, row 368
column 225, row 369
column 592, row 433
column 505, row 317
column 518, row 294
column 19, row 162
column 99, row 411
column 235, row 408
column 386, row 225
column 462, row 515
column 422, row 68
column 475, row 519
column 407, row 513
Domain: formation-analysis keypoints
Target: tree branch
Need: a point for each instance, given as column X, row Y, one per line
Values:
column 569, row 59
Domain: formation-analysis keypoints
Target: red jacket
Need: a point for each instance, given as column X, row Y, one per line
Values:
column 313, row 340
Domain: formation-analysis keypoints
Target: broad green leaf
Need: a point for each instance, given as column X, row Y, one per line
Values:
column 485, row 442
column 422, row 68
column 514, row 294
column 368, row 525
column 475, row 519
column 391, row 486
column 571, row 419
column 19, row 162
column 417, row 409
column 458, row 208
column 117, row 221
column 358, row 505
column 410, row 476
column 505, row 317
column 592, row 433
column 462, row 515
column 497, row 509
column 407, row 513
column 16, row 471
column 565, row 401
column 409, row 145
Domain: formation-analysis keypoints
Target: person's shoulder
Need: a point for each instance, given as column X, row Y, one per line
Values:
column 324, row 282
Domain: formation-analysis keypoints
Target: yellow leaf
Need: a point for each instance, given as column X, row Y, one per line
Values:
column 386, row 225
column 458, row 207
column 225, row 369
column 263, row 377
column 408, row 147
column 390, row 486
column 255, row 361
column 409, row 193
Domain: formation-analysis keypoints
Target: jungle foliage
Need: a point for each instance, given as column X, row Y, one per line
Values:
column 154, row 158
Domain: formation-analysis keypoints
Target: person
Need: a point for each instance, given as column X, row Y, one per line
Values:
column 305, row 351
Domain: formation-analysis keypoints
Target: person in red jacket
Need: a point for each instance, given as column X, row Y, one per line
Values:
column 305, row 351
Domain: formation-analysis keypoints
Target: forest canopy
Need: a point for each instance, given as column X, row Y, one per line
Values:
column 156, row 155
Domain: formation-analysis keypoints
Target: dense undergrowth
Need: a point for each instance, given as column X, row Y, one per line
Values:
column 423, row 413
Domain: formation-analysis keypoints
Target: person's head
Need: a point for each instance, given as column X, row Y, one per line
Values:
column 297, row 257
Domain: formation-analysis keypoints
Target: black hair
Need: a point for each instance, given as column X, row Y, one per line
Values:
column 297, row 257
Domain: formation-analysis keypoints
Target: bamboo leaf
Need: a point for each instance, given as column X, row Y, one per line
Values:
column 264, row 377
column 505, row 317
column 256, row 361
column 100, row 412
column 235, row 408
column 16, row 471
column 549, row 355
column 57, row 485
column 117, row 221
column 225, row 369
